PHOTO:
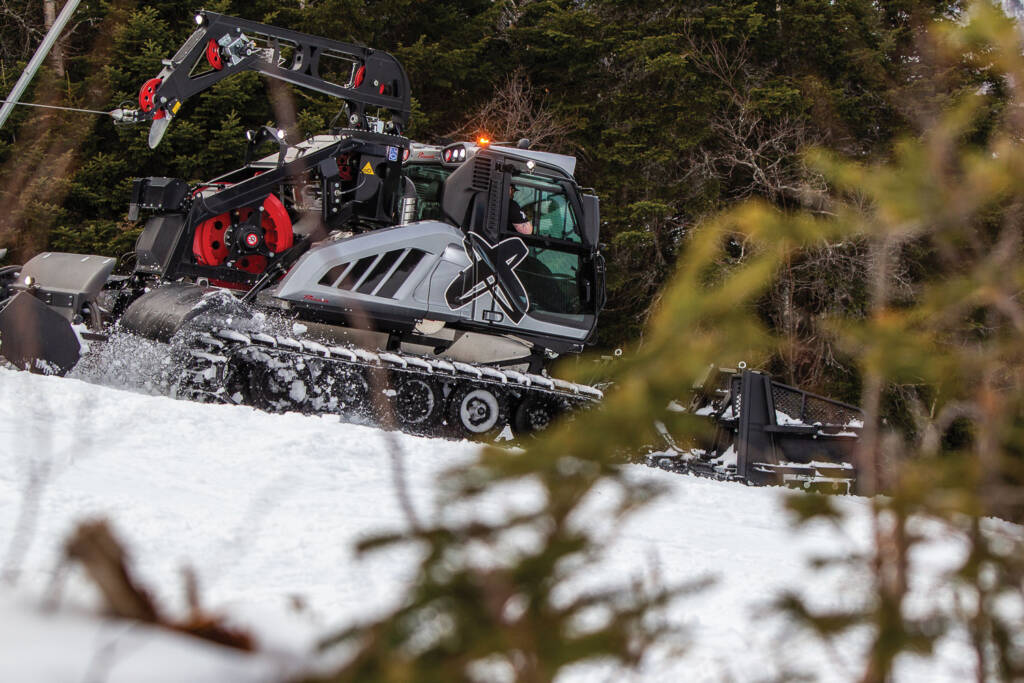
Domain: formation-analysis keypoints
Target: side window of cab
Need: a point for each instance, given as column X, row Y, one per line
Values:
column 547, row 207
column 551, row 271
column 429, row 181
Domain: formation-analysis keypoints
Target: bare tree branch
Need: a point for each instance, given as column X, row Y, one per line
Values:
column 517, row 110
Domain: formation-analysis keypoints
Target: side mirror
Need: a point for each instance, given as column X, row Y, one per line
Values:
column 591, row 219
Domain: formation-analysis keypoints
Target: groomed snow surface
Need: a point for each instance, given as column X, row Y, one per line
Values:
column 266, row 508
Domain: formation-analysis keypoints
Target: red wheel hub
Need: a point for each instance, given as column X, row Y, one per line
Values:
column 147, row 97
column 213, row 55
column 209, row 247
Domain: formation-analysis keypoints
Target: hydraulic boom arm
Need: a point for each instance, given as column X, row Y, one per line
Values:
column 230, row 45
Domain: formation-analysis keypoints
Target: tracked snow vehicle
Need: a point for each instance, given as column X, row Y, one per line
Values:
column 420, row 301
column 359, row 272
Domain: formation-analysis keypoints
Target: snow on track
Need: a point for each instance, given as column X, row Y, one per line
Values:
column 266, row 508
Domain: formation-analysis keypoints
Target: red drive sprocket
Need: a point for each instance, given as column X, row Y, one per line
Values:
column 210, row 248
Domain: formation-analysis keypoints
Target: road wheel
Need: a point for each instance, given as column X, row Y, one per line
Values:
column 416, row 403
column 351, row 391
column 477, row 411
column 533, row 414
column 275, row 384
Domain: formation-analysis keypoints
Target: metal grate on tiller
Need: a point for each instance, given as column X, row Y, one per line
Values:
column 735, row 389
column 811, row 409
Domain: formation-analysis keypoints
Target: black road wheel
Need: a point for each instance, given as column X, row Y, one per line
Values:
column 416, row 403
column 534, row 414
column 319, row 382
column 477, row 411
column 276, row 384
column 352, row 391
column 190, row 378
column 669, row 464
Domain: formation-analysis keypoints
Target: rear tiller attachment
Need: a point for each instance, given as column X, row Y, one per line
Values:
column 767, row 432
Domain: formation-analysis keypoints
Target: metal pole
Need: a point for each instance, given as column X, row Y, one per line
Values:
column 37, row 59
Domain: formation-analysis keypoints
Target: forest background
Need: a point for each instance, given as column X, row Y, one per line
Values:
column 676, row 110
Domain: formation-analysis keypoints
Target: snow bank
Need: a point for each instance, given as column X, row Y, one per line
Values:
column 266, row 508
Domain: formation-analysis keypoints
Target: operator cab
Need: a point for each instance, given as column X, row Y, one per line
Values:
column 562, row 270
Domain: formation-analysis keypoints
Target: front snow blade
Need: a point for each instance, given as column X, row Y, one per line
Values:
column 35, row 337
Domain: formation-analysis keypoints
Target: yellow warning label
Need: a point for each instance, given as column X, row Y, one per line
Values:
column 367, row 169
column 176, row 107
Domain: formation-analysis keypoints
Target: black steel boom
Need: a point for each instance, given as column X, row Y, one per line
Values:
column 371, row 78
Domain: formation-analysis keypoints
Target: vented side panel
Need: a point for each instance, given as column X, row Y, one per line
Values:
column 481, row 173
column 355, row 275
column 379, row 271
column 334, row 274
column 401, row 273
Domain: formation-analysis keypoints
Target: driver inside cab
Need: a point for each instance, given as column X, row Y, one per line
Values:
column 517, row 218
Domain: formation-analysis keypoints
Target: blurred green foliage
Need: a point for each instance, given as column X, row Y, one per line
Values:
column 950, row 352
column 946, row 348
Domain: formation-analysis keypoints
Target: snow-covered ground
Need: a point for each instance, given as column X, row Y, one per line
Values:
column 266, row 508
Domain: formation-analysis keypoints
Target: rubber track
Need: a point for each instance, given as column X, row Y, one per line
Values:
column 217, row 359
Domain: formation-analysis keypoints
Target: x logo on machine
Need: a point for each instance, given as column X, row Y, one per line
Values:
column 491, row 269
